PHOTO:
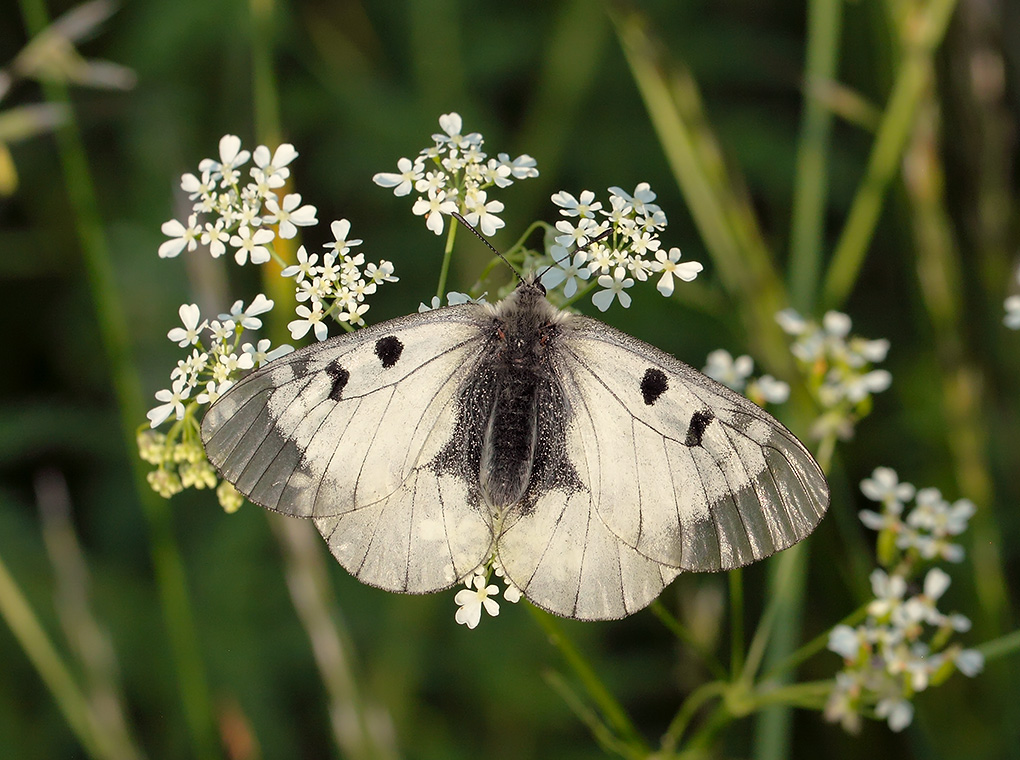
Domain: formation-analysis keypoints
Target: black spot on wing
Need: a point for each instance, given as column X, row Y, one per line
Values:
column 388, row 350
column 340, row 376
column 653, row 385
column 699, row 422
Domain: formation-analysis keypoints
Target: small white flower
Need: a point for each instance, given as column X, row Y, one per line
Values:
column 522, row 167
column 846, row 641
column 615, row 287
column 1012, row 318
column 771, row 390
column 304, row 267
column 231, row 157
column 791, row 322
column 273, row 169
column 433, row 208
column 888, row 591
column 565, row 271
column 452, row 125
column 216, row 237
column 640, row 201
column 187, row 335
column 732, row 373
column 584, row 207
column 897, row 711
column 383, row 272
column 860, row 387
column 173, row 403
column 483, row 215
column 409, row 173
column 667, row 263
column 247, row 318
column 470, row 602
column 251, row 244
column 884, row 486
column 341, row 245
column 310, row 319
column 970, row 662
column 261, row 354
column 181, row 237
column 288, row 216
column 836, row 323
column 575, row 235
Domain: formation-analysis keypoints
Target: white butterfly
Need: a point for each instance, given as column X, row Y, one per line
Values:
column 593, row 466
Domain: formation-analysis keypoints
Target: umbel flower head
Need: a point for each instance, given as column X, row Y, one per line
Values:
column 904, row 645
column 455, row 174
column 245, row 213
column 838, row 368
column 608, row 248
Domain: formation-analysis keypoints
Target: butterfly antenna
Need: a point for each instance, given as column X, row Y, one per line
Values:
column 491, row 247
column 584, row 247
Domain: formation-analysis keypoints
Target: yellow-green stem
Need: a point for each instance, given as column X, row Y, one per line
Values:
column 169, row 570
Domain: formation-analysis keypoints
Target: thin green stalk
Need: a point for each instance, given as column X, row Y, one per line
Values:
column 736, row 582
column 912, row 81
column 1001, row 647
column 169, row 570
column 675, row 627
column 722, row 212
column 361, row 731
column 612, row 710
column 817, row 644
column 39, row 648
column 690, row 707
column 811, row 188
column 811, row 694
column 602, row 733
column 451, row 236
column 780, row 629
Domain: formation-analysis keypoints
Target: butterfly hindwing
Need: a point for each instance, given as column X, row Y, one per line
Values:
column 345, row 432
column 680, row 473
column 698, row 477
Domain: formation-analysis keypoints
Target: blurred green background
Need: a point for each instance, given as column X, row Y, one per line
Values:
column 230, row 670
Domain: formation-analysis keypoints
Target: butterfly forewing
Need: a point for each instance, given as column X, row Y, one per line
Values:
column 697, row 477
column 345, row 431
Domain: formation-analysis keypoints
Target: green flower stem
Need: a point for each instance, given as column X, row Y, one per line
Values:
column 39, row 648
column 780, row 628
column 813, row 647
column 690, row 707
column 360, row 732
column 612, row 710
column 169, row 570
column 911, row 83
column 810, row 191
column 1001, row 647
column 451, row 236
column 809, row 695
column 723, row 215
column 939, row 272
column 675, row 627
column 606, row 739
column 736, row 583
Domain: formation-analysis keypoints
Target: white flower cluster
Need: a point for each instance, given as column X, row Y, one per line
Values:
column 336, row 287
column 213, row 365
column 1012, row 306
column 903, row 647
column 454, row 174
column 478, row 594
column 837, row 367
column 735, row 374
column 616, row 245
column 248, row 218
column 227, row 213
